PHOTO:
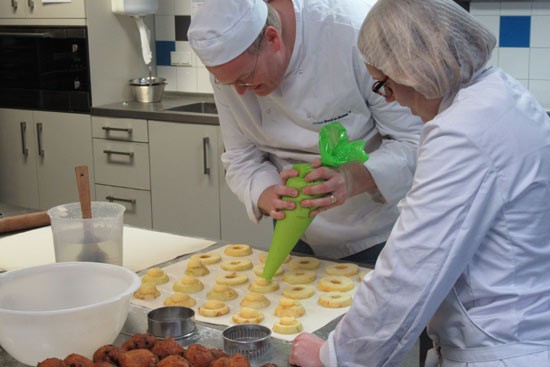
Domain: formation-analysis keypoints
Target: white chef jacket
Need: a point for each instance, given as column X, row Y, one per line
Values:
column 473, row 231
column 326, row 81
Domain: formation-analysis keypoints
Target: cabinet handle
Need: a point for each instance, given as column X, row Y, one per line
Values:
column 112, row 198
column 205, row 168
column 129, row 154
column 23, row 125
column 31, row 4
column 14, row 4
column 39, row 137
column 109, row 129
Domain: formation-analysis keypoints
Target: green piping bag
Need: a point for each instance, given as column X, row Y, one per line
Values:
column 335, row 150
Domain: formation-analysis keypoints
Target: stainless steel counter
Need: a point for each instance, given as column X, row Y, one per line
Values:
column 160, row 110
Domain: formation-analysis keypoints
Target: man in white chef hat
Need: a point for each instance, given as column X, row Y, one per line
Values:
column 281, row 70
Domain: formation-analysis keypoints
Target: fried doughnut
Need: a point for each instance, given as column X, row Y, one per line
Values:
column 335, row 299
column 259, row 270
column 299, row 291
column 247, row 315
column 218, row 353
column 174, row 361
column 139, row 341
column 289, row 307
column 147, row 291
column 304, row 263
column 236, row 360
column 104, row 364
column 300, row 276
column 213, row 308
column 166, row 347
column 180, row 299
column 198, row 355
column 51, row 362
column 208, row 258
column 255, row 300
column 232, row 278
column 263, row 258
column 335, row 283
column 222, row 292
column 343, row 269
column 77, row 360
column 237, row 250
column 155, row 275
column 362, row 274
column 236, row 265
column 196, row 268
column 138, row 358
column 260, row 285
column 287, row 325
column 188, row 284
column 107, row 353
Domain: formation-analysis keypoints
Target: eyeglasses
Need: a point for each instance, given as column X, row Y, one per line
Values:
column 378, row 85
column 241, row 83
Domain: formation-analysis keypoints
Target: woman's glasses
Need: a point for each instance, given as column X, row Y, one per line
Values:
column 379, row 88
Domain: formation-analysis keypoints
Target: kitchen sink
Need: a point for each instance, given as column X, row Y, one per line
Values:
column 199, row 107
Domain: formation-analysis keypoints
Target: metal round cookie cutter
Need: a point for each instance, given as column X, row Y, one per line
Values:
column 171, row 321
column 252, row 340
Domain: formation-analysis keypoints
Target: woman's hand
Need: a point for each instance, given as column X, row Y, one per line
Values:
column 270, row 201
column 305, row 351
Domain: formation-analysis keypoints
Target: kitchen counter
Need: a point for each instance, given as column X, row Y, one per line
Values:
column 159, row 110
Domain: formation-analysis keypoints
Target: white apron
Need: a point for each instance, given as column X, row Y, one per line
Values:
column 459, row 342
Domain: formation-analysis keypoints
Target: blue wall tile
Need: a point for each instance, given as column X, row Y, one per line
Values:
column 163, row 49
column 515, row 31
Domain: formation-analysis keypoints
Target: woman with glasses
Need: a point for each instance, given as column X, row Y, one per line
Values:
column 281, row 70
column 470, row 252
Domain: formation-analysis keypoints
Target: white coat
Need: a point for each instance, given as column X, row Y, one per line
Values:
column 326, row 81
column 471, row 248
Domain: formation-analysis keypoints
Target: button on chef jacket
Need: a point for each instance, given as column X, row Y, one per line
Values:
column 472, row 245
column 326, row 81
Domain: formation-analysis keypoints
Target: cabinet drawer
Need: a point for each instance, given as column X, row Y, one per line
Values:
column 137, row 203
column 119, row 129
column 121, row 163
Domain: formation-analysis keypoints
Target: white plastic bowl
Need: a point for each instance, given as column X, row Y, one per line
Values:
column 57, row 309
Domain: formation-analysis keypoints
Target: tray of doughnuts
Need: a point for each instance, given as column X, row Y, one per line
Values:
column 224, row 286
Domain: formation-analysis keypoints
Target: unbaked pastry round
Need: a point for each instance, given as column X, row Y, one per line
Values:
column 289, row 307
column 300, row 276
column 232, row 278
column 263, row 258
column 236, row 264
column 299, row 291
column 196, row 268
column 207, row 258
column 343, row 269
column 287, row 325
column 237, row 250
column 180, row 299
column 155, row 275
column 147, row 291
column 260, row 285
column 248, row 315
column 222, row 292
column 213, row 308
column 188, row 284
column 335, row 299
column 259, row 270
column 304, row 263
column 255, row 300
column 335, row 283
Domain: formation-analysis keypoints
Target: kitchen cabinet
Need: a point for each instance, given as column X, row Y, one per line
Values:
column 36, row 9
column 38, row 153
column 121, row 162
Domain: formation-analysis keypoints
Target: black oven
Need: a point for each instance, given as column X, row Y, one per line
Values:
column 45, row 68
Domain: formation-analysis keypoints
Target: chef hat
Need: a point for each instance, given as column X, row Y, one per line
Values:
column 221, row 30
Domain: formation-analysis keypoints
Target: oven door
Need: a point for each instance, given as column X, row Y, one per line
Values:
column 44, row 68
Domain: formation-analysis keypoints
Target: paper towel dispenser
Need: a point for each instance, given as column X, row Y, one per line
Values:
column 134, row 7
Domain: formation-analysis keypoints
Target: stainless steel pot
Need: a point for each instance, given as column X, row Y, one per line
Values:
column 148, row 89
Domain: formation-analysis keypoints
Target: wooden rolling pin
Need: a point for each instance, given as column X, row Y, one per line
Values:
column 24, row 221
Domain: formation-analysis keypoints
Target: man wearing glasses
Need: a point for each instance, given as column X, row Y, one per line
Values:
column 281, row 71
